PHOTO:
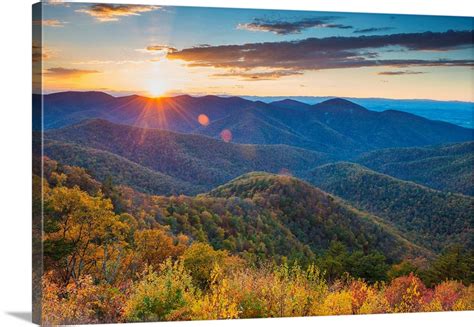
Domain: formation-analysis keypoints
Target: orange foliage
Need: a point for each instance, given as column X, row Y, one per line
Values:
column 153, row 246
column 407, row 294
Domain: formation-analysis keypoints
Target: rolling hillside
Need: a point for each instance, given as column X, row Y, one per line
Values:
column 315, row 217
column 103, row 165
column 202, row 161
column 447, row 167
column 429, row 217
column 260, row 215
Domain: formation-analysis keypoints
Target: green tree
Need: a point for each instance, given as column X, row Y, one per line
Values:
column 455, row 263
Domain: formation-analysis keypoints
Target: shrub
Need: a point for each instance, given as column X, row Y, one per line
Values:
column 75, row 303
column 163, row 295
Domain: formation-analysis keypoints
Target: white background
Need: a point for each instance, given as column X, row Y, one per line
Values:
column 15, row 156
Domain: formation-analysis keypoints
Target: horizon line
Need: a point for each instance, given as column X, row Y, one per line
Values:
column 284, row 97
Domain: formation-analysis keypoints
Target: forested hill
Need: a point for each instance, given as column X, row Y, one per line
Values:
column 202, row 161
column 267, row 216
column 447, row 167
column 429, row 217
column 104, row 165
column 314, row 216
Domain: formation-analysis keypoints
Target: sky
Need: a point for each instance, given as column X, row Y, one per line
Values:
column 158, row 51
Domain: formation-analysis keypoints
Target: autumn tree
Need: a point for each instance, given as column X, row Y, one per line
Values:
column 82, row 235
column 153, row 246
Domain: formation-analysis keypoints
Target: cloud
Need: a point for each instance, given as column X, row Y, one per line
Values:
column 56, row 3
column 159, row 48
column 40, row 53
column 49, row 23
column 258, row 76
column 111, row 13
column 110, row 62
column 290, row 27
column 328, row 53
column 373, row 30
column 68, row 72
column 400, row 72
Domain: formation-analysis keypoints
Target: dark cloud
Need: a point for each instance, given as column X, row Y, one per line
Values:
column 110, row 13
column 400, row 72
column 373, row 30
column 341, row 26
column 68, row 72
column 290, row 27
column 328, row 53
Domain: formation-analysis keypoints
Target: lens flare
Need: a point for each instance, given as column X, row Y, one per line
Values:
column 226, row 135
column 203, row 120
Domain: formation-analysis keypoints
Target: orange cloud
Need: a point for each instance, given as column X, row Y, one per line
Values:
column 158, row 47
column 111, row 13
column 62, row 72
column 49, row 23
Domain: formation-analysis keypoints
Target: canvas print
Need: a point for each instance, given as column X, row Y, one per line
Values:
column 204, row 163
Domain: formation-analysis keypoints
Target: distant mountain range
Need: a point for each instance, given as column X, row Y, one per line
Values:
column 335, row 126
column 454, row 112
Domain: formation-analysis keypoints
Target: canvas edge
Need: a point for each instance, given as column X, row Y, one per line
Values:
column 37, row 147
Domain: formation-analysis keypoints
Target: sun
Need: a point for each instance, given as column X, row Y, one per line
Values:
column 157, row 88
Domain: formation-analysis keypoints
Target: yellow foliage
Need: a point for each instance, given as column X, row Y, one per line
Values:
column 338, row 303
column 466, row 301
column 217, row 304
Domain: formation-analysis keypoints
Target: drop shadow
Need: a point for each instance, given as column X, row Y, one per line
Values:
column 22, row 315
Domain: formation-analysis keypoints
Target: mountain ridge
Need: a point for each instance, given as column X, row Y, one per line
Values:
column 334, row 126
column 193, row 158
